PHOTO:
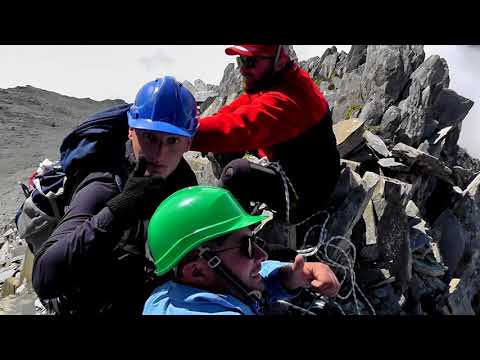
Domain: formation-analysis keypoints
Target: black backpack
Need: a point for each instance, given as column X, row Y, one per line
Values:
column 98, row 144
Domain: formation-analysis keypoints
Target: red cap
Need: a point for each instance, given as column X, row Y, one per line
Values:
column 252, row 50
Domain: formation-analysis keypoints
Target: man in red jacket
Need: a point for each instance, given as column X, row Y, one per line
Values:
column 282, row 115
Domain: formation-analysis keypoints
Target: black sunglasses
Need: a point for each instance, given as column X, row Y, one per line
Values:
column 247, row 247
column 250, row 61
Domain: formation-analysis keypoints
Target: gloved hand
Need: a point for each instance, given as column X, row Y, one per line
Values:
column 140, row 197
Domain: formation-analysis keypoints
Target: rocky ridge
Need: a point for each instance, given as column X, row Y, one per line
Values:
column 408, row 194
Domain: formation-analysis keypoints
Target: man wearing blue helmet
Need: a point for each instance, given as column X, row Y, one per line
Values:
column 94, row 261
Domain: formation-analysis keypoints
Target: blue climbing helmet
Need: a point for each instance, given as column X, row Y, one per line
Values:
column 164, row 105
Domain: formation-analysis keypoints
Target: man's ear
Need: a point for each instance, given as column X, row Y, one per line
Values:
column 130, row 133
column 196, row 272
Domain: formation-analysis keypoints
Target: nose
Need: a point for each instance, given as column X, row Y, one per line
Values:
column 160, row 149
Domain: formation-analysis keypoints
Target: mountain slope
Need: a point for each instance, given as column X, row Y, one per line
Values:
column 33, row 123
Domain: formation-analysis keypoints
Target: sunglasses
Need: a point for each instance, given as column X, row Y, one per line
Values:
column 247, row 247
column 250, row 61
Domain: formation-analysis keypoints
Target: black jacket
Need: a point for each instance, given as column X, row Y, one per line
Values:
column 90, row 262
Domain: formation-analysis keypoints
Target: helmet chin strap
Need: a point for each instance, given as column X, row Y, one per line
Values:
column 250, row 297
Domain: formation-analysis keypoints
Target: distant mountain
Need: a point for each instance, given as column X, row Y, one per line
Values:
column 33, row 123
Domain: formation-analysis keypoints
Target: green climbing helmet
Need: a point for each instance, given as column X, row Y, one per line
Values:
column 191, row 217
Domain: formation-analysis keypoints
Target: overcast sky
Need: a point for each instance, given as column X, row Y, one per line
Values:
column 118, row 71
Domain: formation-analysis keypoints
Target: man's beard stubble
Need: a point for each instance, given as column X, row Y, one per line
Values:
column 264, row 83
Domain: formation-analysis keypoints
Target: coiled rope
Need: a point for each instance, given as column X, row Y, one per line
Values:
column 321, row 252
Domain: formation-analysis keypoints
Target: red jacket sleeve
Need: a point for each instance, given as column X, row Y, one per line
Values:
column 270, row 118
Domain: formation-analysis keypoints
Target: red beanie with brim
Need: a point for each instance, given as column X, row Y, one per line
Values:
column 252, row 50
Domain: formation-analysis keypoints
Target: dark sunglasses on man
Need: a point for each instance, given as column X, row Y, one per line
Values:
column 247, row 247
column 250, row 61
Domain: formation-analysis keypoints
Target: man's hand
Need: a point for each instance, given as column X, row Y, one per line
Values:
column 314, row 275
column 140, row 197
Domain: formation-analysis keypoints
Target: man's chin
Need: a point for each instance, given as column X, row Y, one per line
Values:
column 256, row 285
column 158, row 172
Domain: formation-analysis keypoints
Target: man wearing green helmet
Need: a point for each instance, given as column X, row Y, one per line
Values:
column 220, row 268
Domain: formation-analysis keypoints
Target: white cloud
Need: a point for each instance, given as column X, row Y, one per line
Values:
column 157, row 60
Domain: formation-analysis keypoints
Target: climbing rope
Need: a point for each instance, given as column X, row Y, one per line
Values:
column 286, row 181
column 321, row 251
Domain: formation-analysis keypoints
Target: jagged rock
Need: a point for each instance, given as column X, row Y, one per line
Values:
column 390, row 122
column 449, row 235
column 353, row 165
column 462, row 176
column 451, row 139
column 3, row 253
column 340, row 67
column 207, row 103
column 370, row 224
column 413, row 117
column 349, row 99
column 202, row 168
column 372, row 112
column 347, row 181
column 7, row 272
column 429, row 128
column 424, row 163
column 433, row 71
column 200, row 85
column 412, row 210
column 356, row 57
column 370, row 253
column 467, row 210
column 434, row 145
column 459, row 157
column 432, row 149
column 328, row 62
column 214, row 107
column 355, row 200
column 311, row 66
column 362, row 154
column 188, row 85
column 230, row 87
column 392, row 190
column 419, row 236
column 292, row 54
column 376, row 144
column 451, row 108
column 422, row 188
column 388, row 69
column 460, row 300
column 8, row 233
column 349, row 135
column 392, row 227
column 27, row 267
column 391, row 164
column 9, row 287
column 441, row 134
column 231, row 82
